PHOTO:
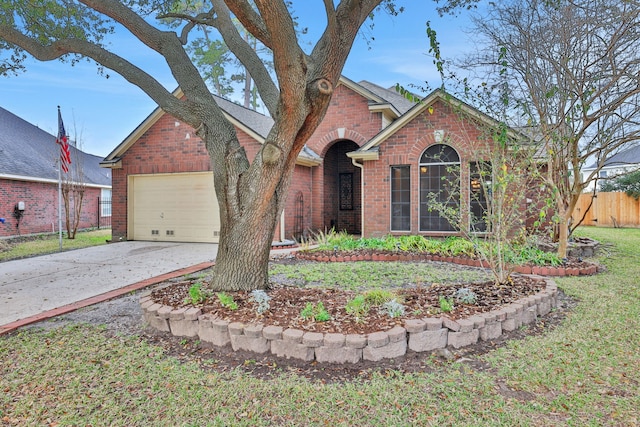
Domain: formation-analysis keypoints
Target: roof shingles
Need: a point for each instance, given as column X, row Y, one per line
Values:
column 30, row 152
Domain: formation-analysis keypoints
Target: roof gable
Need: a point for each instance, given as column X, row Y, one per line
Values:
column 380, row 99
column 369, row 150
column 28, row 152
column 251, row 122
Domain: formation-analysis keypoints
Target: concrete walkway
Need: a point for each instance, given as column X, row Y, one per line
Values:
column 37, row 288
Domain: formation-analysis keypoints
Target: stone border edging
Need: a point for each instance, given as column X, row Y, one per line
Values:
column 420, row 335
column 471, row 262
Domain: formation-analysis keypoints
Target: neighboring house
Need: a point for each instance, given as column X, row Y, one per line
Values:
column 29, row 180
column 615, row 166
column 367, row 169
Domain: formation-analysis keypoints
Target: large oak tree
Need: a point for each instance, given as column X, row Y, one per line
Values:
column 250, row 192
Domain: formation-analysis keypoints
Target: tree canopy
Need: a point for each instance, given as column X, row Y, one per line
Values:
column 295, row 91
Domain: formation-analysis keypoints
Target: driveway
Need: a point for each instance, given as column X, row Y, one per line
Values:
column 43, row 284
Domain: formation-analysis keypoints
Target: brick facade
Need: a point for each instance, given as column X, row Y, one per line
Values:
column 318, row 199
column 405, row 148
column 41, row 207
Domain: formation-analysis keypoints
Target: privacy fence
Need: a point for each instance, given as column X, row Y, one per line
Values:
column 608, row 210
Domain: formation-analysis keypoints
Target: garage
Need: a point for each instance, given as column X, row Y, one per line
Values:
column 175, row 207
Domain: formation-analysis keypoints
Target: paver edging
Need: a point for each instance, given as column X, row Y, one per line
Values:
column 420, row 335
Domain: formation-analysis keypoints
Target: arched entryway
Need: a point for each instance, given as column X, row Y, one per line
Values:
column 342, row 189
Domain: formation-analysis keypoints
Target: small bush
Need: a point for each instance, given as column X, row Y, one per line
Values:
column 357, row 307
column 196, row 294
column 446, row 304
column 466, row 296
column 261, row 299
column 227, row 301
column 376, row 297
column 317, row 312
column 393, row 308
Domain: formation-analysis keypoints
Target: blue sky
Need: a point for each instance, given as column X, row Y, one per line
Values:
column 100, row 112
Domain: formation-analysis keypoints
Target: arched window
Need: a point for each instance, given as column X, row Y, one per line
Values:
column 439, row 189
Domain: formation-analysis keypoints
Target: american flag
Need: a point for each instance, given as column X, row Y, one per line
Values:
column 62, row 140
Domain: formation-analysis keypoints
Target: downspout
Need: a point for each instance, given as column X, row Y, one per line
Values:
column 282, row 226
column 361, row 167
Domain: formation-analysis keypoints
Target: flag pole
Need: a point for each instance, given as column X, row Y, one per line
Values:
column 59, row 190
column 60, row 203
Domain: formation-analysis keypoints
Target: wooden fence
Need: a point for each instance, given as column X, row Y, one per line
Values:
column 608, row 210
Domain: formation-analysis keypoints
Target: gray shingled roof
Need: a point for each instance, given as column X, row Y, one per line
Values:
column 255, row 121
column 390, row 95
column 28, row 151
column 630, row 156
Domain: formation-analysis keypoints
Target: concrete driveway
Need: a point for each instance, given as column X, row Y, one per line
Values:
column 33, row 286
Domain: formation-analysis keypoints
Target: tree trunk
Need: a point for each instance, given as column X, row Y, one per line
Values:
column 563, row 231
column 251, row 199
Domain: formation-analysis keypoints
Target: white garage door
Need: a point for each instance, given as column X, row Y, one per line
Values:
column 173, row 208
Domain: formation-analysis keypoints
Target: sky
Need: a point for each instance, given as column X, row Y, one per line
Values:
column 101, row 112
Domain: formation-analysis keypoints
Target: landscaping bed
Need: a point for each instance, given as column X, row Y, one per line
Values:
column 425, row 324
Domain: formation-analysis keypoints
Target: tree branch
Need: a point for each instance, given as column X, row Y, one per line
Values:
column 129, row 71
column 244, row 52
column 250, row 20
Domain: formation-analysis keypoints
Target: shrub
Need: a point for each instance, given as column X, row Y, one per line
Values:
column 227, row 301
column 261, row 299
column 317, row 312
column 466, row 296
column 378, row 296
column 393, row 308
column 357, row 307
column 446, row 304
column 196, row 294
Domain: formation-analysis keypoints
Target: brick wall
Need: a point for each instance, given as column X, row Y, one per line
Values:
column 347, row 125
column 41, row 207
column 169, row 146
column 405, row 147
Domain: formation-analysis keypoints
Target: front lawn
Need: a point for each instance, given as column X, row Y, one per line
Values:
column 584, row 372
column 29, row 246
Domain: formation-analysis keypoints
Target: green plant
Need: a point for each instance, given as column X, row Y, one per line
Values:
column 261, row 299
column 316, row 312
column 357, row 307
column 466, row 296
column 227, row 301
column 446, row 304
column 197, row 295
column 378, row 296
column 393, row 308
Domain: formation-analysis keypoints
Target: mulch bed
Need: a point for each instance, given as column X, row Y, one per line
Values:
column 287, row 302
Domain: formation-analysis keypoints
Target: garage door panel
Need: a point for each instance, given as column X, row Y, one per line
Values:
column 174, row 207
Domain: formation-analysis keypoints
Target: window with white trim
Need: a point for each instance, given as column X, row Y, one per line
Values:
column 439, row 188
column 400, row 198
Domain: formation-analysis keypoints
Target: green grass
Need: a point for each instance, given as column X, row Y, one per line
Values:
column 582, row 373
column 46, row 244
column 366, row 275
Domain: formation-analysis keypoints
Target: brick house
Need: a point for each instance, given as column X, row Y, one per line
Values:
column 29, row 180
column 367, row 169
